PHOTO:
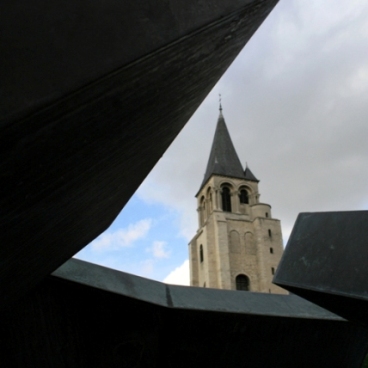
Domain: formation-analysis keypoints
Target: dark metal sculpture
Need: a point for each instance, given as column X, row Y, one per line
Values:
column 90, row 316
column 325, row 261
column 92, row 94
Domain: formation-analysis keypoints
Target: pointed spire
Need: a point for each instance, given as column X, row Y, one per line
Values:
column 223, row 158
column 249, row 175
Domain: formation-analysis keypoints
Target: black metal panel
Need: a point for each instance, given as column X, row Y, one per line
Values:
column 192, row 298
column 93, row 94
column 325, row 261
column 51, row 48
column 75, row 320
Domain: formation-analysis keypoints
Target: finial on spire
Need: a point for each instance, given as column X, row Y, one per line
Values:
column 220, row 102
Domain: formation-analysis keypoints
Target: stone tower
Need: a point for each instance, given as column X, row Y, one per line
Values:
column 238, row 244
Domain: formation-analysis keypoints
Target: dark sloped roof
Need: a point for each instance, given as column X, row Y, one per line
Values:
column 223, row 158
column 249, row 175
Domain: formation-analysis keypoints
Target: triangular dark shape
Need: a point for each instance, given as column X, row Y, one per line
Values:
column 89, row 108
column 249, row 175
column 223, row 158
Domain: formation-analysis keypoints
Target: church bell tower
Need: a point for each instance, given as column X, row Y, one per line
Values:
column 238, row 244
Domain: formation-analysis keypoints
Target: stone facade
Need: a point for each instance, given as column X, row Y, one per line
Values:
column 246, row 241
column 238, row 244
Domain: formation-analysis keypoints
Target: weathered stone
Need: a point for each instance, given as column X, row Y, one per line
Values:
column 240, row 241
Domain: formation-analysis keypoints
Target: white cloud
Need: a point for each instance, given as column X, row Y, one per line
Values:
column 180, row 276
column 159, row 251
column 295, row 103
column 178, row 197
column 122, row 237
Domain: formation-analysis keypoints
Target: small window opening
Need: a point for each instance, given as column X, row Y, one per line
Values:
column 201, row 253
column 226, row 199
column 271, row 250
column 269, row 233
column 273, row 270
column 243, row 197
column 202, row 211
column 266, row 214
column 204, row 285
column 242, row 283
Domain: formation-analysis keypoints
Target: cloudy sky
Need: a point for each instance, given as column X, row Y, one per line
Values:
column 296, row 105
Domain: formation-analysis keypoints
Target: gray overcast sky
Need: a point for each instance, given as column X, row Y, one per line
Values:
column 296, row 104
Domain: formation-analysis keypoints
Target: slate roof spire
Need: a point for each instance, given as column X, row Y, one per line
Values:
column 223, row 158
column 248, row 175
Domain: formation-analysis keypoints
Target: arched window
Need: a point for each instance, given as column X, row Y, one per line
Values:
column 209, row 202
column 201, row 253
column 242, row 283
column 202, row 210
column 226, row 199
column 243, row 197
